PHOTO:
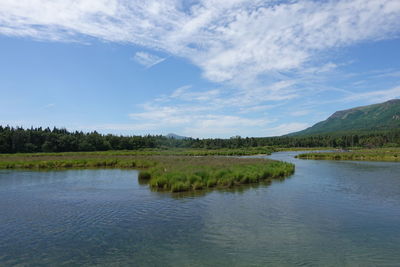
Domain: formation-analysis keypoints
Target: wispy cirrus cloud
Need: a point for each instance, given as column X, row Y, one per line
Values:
column 148, row 60
column 51, row 105
column 227, row 39
column 199, row 114
column 260, row 52
column 287, row 128
column 197, row 121
column 299, row 113
column 376, row 96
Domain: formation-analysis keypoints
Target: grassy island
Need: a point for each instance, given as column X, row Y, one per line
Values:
column 167, row 170
column 377, row 154
column 188, row 173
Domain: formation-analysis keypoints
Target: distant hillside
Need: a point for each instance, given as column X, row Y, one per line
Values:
column 383, row 116
column 175, row 136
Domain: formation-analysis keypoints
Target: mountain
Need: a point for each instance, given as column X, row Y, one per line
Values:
column 175, row 136
column 383, row 116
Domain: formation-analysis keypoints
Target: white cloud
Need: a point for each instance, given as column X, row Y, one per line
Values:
column 130, row 128
column 286, row 128
column 52, row 105
column 376, row 96
column 196, row 120
column 183, row 93
column 256, row 108
column 147, row 60
column 244, row 100
column 180, row 91
column 388, row 73
column 299, row 113
column 253, row 48
column 223, row 126
column 227, row 39
column 320, row 69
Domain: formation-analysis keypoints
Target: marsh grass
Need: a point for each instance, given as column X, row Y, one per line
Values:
column 278, row 149
column 377, row 154
column 187, row 174
column 150, row 152
column 163, row 172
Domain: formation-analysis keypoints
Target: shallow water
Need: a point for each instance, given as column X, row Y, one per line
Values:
column 328, row 213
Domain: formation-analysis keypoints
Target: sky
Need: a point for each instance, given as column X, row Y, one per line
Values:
column 198, row 68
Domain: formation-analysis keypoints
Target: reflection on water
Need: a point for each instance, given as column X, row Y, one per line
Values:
column 328, row 213
column 200, row 193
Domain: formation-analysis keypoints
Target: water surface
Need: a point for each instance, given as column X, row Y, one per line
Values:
column 328, row 213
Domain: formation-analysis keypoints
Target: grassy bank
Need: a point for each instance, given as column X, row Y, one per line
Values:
column 278, row 149
column 152, row 152
column 378, row 154
column 163, row 171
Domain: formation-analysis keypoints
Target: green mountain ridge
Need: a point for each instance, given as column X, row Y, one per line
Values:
column 376, row 117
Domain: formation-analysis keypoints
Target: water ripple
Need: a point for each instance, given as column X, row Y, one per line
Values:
column 328, row 213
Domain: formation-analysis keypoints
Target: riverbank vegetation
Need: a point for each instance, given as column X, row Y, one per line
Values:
column 152, row 152
column 33, row 140
column 162, row 172
column 378, row 154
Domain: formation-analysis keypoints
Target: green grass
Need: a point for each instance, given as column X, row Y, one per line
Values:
column 155, row 151
column 76, row 163
column 188, row 173
column 277, row 149
column 161, row 170
column 377, row 154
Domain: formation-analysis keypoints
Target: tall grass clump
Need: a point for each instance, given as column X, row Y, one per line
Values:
column 200, row 173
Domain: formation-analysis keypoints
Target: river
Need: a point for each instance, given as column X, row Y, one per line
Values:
column 330, row 213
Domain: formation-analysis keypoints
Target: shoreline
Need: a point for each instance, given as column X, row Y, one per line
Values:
column 378, row 154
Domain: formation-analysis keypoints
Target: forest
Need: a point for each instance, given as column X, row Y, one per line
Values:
column 21, row 140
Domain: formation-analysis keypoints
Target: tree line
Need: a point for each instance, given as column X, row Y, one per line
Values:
column 21, row 140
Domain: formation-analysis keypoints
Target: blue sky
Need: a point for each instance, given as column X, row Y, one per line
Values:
column 203, row 68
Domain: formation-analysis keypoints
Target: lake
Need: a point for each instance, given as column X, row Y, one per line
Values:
column 328, row 213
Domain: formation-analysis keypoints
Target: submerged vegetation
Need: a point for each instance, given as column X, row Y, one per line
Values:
column 162, row 170
column 378, row 154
